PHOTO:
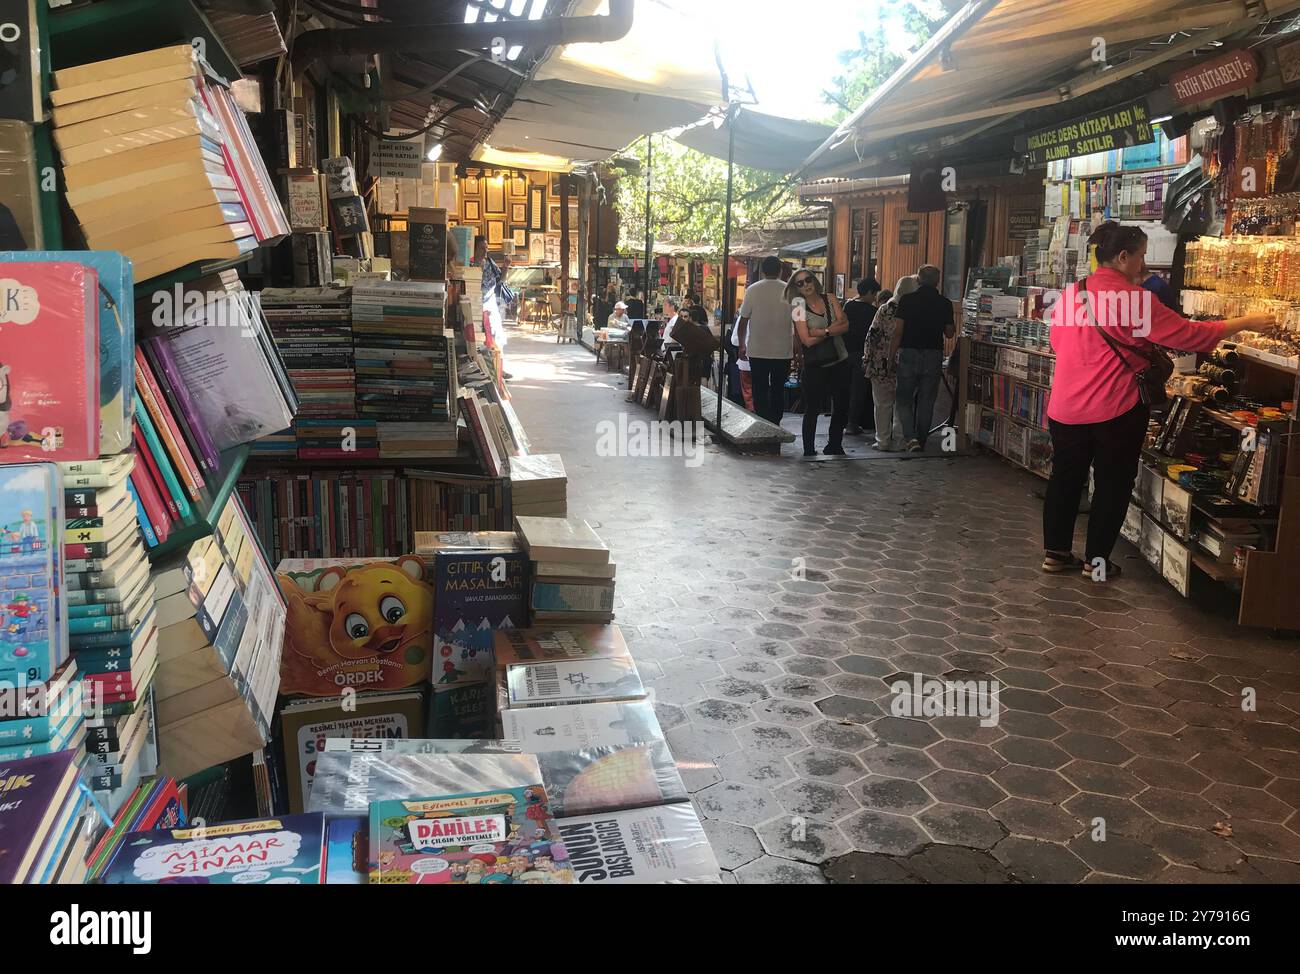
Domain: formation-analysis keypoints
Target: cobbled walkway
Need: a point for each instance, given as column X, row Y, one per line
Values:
column 770, row 603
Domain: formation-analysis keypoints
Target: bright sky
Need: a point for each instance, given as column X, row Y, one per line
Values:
column 789, row 49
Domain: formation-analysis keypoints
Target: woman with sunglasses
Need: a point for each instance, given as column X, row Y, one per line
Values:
column 818, row 318
column 1100, row 330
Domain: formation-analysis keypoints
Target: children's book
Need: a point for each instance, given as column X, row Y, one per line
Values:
column 285, row 849
column 49, row 370
column 666, row 844
column 505, row 835
column 116, row 335
column 573, row 681
column 347, row 851
column 360, row 623
column 32, row 796
column 33, row 620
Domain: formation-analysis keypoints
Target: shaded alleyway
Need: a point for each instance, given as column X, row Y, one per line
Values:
column 770, row 603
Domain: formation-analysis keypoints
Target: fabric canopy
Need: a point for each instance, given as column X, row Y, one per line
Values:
column 762, row 141
column 805, row 249
column 579, row 122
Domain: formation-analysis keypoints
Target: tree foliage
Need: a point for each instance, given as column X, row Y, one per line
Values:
column 876, row 57
column 689, row 195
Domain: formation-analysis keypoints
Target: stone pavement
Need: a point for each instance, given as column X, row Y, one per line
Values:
column 770, row 602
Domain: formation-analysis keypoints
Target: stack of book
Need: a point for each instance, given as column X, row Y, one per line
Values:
column 572, row 575
column 41, row 717
column 401, row 357
column 160, row 163
column 449, row 502
column 418, row 441
column 157, row 804
column 538, row 485
column 312, row 328
column 112, row 619
column 220, row 630
column 489, row 433
column 45, row 832
column 33, row 621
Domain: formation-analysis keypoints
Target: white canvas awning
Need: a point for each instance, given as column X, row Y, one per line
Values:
column 765, row 142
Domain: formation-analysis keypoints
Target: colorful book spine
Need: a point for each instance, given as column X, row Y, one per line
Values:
column 165, row 424
column 151, row 510
column 168, row 373
column 156, row 457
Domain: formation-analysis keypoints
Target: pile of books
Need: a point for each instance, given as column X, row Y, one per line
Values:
column 112, row 619
column 458, row 502
column 538, row 485
column 572, row 576
column 312, row 328
column 221, row 622
column 156, row 804
column 159, row 161
column 401, row 355
column 45, row 832
column 489, row 432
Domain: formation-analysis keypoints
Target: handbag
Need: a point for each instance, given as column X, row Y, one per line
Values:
column 825, row 354
column 1159, row 366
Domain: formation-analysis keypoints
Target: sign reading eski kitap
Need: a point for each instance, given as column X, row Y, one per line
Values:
column 397, row 159
column 1114, row 128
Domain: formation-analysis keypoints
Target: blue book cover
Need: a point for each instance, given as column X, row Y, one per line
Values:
column 33, row 625
column 284, row 849
column 347, row 841
column 477, row 589
column 46, row 721
column 116, row 336
column 141, row 517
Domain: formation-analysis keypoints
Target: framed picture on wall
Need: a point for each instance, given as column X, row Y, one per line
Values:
column 536, row 248
column 555, row 217
column 518, row 187
column 537, row 209
column 496, row 233
column 519, row 213
column 494, row 197
column 470, row 185
column 473, row 211
column 555, row 185
column 520, row 236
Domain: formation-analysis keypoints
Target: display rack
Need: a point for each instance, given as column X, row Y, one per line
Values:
column 208, row 508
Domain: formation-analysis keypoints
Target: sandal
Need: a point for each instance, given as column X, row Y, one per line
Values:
column 1096, row 573
column 1055, row 562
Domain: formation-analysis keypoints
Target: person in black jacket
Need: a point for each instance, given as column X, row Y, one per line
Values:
column 861, row 311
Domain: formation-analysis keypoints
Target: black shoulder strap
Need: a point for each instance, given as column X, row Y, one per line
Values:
column 1114, row 346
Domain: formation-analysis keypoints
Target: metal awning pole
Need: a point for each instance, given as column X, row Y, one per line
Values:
column 649, row 230
column 727, row 295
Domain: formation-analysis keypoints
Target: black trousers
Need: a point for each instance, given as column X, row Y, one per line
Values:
column 862, row 407
column 768, row 376
column 1111, row 449
column 818, row 385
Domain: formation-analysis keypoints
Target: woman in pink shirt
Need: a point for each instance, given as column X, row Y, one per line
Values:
column 1095, row 415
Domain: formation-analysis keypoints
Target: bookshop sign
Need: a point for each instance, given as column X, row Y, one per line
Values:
column 399, row 159
column 1235, row 71
column 1115, row 128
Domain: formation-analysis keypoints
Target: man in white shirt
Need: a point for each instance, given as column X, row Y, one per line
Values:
column 671, row 310
column 767, row 340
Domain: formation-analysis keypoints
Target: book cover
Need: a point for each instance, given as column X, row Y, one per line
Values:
column 20, row 63
column 347, row 851
column 478, row 589
column 360, row 623
column 666, row 844
column 32, row 794
column 306, row 725
column 543, row 644
column 169, row 377
column 608, row 778
column 18, row 187
column 562, row 539
column 33, row 625
column 348, row 782
column 116, row 336
column 597, row 597
column 283, row 849
column 505, row 835
column 573, row 727
column 49, row 403
column 427, row 235
column 573, row 681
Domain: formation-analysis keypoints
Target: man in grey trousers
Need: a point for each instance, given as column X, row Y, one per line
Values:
column 927, row 320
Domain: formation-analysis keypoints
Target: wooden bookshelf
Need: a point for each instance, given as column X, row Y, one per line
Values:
column 208, row 509
column 188, row 273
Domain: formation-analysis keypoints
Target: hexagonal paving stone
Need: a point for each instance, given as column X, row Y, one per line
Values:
column 956, row 865
column 719, row 713
column 1168, row 774
column 1091, row 747
column 797, row 687
column 733, row 845
column 1178, row 808
column 690, row 742
column 1265, row 839
column 741, row 804
column 826, row 765
column 1103, row 779
column 803, row 839
column 1031, row 752
column 770, row 739
column 864, row 868
column 897, row 795
column 872, row 831
column 1034, row 701
column 818, row 799
column 964, row 756
column 810, row 666
column 905, row 731
column 1032, row 861
column 1118, row 856
column 961, row 825
column 669, row 715
column 1036, row 784
column 736, row 690
column 762, row 768
column 865, row 665
column 853, row 685
column 752, row 670
column 769, row 870
column 848, row 708
column 789, row 712
column 1036, row 820
column 1252, row 803
column 1118, row 815
column 960, row 788
column 1231, row 768
column 896, row 761
column 1196, row 847
column 842, row 736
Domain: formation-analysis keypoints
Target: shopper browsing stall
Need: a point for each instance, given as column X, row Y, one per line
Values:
column 1103, row 331
column 927, row 320
column 882, row 371
column 819, row 321
column 766, row 340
